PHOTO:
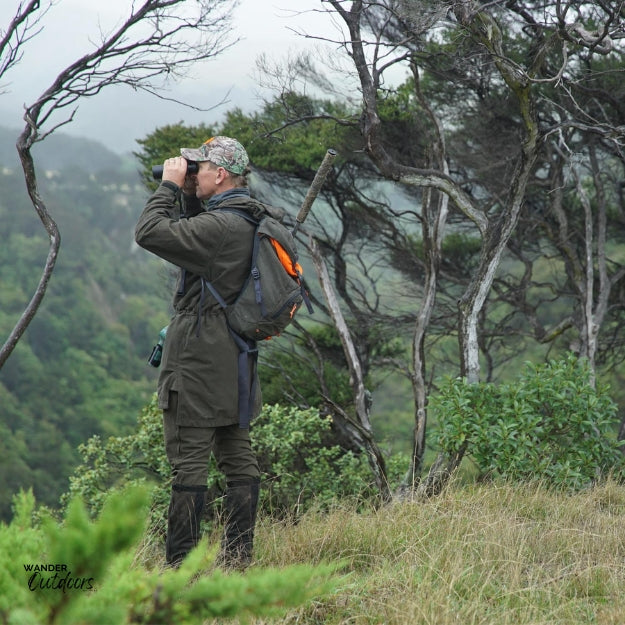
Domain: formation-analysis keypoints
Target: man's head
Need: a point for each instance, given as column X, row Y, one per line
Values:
column 221, row 151
column 222, row 164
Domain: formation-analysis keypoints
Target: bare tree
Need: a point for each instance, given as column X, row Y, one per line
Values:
column 386, row 32
column 25, row 24
column 158, row 40
column 495, row 233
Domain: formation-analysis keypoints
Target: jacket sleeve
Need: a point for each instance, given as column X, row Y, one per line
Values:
column 190, row 243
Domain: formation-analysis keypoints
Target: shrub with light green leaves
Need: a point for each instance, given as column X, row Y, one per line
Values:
column 86, row 572
column 300, row 464
column 550, row 424
column 299, row 461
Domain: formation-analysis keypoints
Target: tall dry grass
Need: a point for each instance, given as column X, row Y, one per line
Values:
column 496, row 555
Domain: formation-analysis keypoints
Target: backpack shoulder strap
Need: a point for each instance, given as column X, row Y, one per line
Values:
column 240, row 213
column 214, row 292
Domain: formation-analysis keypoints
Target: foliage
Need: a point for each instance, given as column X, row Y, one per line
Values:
column 296, row 151
column 164, row 142
column 299, row 461
column 83, row 571
column 550, row 424
column 80, row 369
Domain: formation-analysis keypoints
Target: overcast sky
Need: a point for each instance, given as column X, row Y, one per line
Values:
column 119, row 116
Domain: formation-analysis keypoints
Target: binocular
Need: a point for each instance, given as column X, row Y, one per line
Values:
column 157, row 170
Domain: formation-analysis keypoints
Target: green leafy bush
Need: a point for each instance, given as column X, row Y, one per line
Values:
column 298, row 459
column 299, row 462
column 551, row 424
column 85, row 572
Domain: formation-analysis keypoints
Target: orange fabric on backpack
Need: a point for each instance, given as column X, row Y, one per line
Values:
column 293, row 269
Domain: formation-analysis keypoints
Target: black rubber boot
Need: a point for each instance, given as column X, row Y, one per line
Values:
column 183, row 522
column 240, row 507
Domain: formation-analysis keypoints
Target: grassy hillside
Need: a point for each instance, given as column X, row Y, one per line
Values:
column 480, row 555
column 497, row 555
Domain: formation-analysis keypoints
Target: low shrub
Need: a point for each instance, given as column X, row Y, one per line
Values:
column 298, row 459
column 85, row 571
column 550, row 424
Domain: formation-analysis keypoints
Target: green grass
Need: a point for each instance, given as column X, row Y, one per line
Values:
column 500, row 555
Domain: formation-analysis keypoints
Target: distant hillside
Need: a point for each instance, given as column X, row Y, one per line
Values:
column 60, row 151
column 81, row 367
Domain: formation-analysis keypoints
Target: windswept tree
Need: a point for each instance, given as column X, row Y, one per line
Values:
column 501, row 83
column 157, row 40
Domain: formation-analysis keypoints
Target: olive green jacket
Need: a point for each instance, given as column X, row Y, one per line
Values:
column 200, row 357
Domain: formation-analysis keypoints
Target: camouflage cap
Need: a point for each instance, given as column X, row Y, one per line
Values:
column 223, row 151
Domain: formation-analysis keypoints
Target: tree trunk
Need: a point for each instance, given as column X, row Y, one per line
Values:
column 595, row 295
column 433, row 226
column 361, row 425
column 24, row 144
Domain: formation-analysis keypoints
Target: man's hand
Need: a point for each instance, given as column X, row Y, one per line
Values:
column 190, row 185
column 175, row 170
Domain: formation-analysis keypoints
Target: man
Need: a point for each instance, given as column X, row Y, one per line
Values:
column 199, row 382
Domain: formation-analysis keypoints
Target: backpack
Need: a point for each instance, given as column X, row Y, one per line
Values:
column 273, row 291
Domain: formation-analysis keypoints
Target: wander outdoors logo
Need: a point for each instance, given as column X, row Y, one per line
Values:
column 55, row 577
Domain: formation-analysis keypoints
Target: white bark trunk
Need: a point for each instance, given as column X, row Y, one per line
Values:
column 363, row 423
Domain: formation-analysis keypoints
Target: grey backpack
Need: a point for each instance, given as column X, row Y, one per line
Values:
column 273, row 290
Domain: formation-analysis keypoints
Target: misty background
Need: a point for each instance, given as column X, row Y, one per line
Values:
column 119, row 115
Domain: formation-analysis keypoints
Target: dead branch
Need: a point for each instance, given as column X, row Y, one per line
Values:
column 23, row 27
column 361, row 422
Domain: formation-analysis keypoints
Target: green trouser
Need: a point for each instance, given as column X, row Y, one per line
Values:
column 188, row 451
